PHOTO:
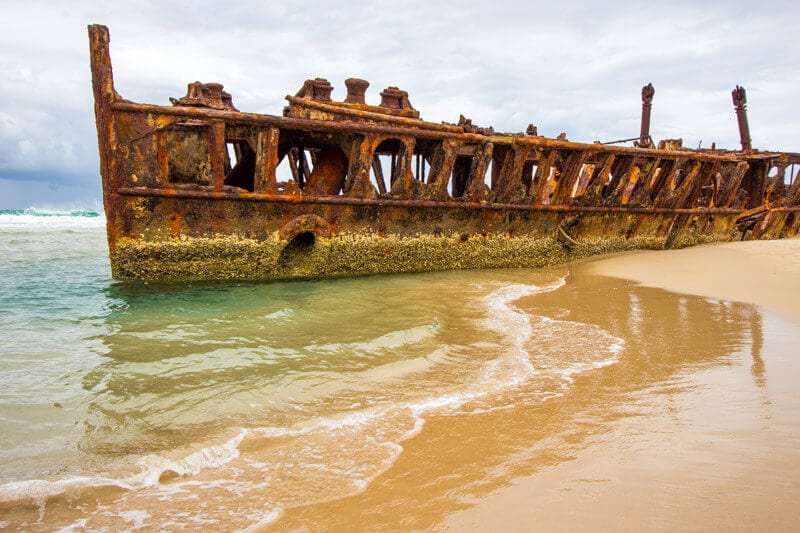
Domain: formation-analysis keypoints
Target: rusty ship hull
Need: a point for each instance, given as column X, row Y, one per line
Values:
column 192, row 191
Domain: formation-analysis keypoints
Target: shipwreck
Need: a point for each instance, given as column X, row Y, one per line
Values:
column 193, row 190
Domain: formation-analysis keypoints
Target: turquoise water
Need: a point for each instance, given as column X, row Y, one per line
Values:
column 225, row 404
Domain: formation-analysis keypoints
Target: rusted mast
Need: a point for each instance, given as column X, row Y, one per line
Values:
column 740, row 103
column 647, row 103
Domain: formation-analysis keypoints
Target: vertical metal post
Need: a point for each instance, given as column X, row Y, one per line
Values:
column 217, row 158
column 740, row 103
column 647, row 103
column 266, row 161
column 301, row 159
column 161, row 158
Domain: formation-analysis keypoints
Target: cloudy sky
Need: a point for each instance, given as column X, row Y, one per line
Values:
column 575, row 67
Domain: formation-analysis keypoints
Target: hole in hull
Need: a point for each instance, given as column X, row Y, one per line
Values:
column 295, row 252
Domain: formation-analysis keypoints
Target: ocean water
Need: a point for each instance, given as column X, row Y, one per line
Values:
column 238, row 405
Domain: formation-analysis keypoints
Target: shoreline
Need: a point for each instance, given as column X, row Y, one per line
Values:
column 693, row 460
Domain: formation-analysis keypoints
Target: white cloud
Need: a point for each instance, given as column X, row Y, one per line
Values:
column 566, row 66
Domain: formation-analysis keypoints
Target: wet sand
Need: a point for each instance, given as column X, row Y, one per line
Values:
column 718, row 451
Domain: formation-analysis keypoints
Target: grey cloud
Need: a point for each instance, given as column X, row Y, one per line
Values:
column 567, row 66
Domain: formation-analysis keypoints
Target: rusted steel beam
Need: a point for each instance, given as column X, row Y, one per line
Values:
column 265, row 180
column 442, row 164
column 217, row 151
column 542, row 176
column 740, row 103
column 310, row 125
column 568, row 178
column 377, row 169
column 403, row 182
column 104, row 96
column 509, row 182
column 419, row 203
column 476, row 187
column 361, row 156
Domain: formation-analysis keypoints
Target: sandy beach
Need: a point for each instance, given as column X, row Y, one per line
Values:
column 710, row 456
column 766, row 273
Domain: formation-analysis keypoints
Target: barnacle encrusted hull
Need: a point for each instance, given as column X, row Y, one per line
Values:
column 200, row 190
column 232, row 257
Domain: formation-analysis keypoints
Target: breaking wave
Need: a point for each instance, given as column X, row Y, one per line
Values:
column 43, row 212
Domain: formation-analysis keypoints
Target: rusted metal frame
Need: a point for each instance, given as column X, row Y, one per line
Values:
column 690, row 185
column 444, row 159
column 619, row 173
column 403, row 183
column 640, row 194
column 304, row 163
column 217, row 152
column 779, row 224
column 527, row 175
column 509, row 183
column 542, row 176
column 731, row 183
column 162, row 159
column 476, row 189
column 666, row 187
column 712, row 180
column 662, row 178
column 622, row 171
column 265, row 179
column 418, row 203
column 569, row 177
column 303, row 170
column 787, row 157
column 599, row 179
column 597, row 150
column 498, row 158
column 377, row 170
column 291, row 155
column 762, row 227
column 104, row 98
column 755, row 182
column 628, row 184
column 587, row 170
column 628, row 169
column 362, row 152
column 793, row 194
column 419, row 132
column 775, row 188
column 368, row 115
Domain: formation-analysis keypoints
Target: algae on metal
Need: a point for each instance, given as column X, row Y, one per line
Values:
column 232, row 257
